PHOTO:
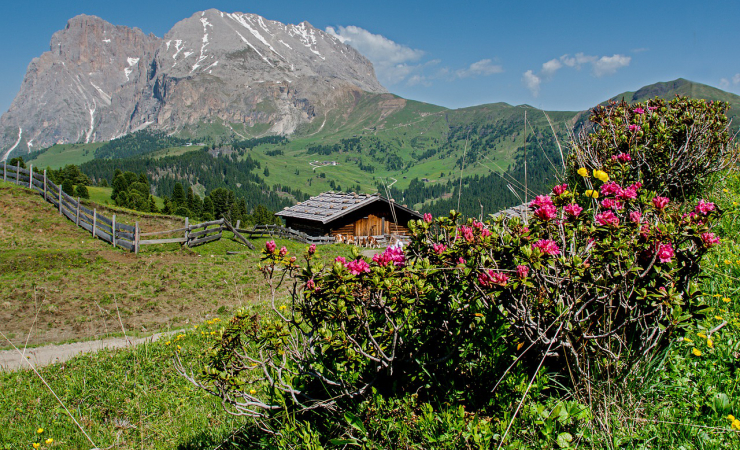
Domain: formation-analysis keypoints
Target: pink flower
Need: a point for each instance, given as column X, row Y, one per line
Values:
column 460, row 260
column 478, row 225
column 547, row 246
column 310, row 285
column 283, row 251
column 634, row 127
column 541, row 200
column 660, row 202
column 393, row 255
column 340, row 259
column 559, row 189
column 573, row 209
column 652, row 108
column 312, row 249
column 704, row 207
column 607, row 218
column 467, row 233
column 270, row 246
column 635, row 217
column 524, row 230
column 636, row 185
column 638, row 111
column 486, row 232
column 546, row 212
column 358, row 266
column 439, row 248
column 490, row 277
column 292, row 259
column 427, row 218
column 709, row 239
column 522, row 271
column 628, row 194
column 611, row 188
column 622, row 157
column 665, row 253
column 610, row 203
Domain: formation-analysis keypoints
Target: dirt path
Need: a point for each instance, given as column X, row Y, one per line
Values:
column 50, row 354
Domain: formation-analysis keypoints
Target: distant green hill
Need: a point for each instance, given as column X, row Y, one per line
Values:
column 370, row 141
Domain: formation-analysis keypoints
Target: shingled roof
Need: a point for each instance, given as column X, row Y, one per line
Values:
column 330, row 206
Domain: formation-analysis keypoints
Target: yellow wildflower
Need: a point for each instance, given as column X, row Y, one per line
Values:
column 40, row 430
column 702, row 335
column 252, row 391
column 718, row 317
column 282, row 307
column 726, row 300
column 37, row 445
column 687, row 340
column 736, row 424
column 725, row 191
column 591, row 193
column 478, row 315
column 696, row 352
column 601, row 175
column 710, row 343
column 583, row 172
column 519, row 346
column 730, row 417
column 49, row 441
column 716, row 295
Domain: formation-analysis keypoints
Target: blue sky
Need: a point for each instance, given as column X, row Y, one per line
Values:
column 554, row 55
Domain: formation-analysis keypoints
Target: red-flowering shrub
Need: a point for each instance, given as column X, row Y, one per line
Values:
column 672, row 146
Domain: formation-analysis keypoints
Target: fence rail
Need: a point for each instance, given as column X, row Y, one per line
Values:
column 108, row 229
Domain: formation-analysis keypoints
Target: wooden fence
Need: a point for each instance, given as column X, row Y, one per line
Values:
column 109, row 229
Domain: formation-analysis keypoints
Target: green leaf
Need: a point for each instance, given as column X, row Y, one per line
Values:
column 564, row 440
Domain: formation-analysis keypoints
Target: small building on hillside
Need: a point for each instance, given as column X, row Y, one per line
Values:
column 334, row 213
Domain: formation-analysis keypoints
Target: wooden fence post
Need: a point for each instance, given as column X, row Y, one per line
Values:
column 77, row 222
column 5, row 170
column 30, row 176
column 187, row 225
column 18, row 173
column 238, row 222
column 95, row 221
column 45, row 196
column 60, row 199
column 136, row 238
column 114, row 231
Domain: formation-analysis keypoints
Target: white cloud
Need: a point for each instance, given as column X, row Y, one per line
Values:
column 395, row 63
column 392, row 61
column 550, row 67
column 532, row 82
column 484, row 67
column 726, row 83
column 600, row 66
column 608, row 65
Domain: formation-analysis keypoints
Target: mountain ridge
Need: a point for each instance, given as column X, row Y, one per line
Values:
column 99, row 81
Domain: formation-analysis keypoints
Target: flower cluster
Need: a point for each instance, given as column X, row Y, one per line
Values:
column 547, row 246
column 490, row 277
column 392, row 254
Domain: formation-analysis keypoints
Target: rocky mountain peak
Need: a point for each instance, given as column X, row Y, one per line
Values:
column 99, row 81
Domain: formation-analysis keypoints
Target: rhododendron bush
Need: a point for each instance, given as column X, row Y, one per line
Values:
column 590, row 280
column 671, row 146
column 589, row 284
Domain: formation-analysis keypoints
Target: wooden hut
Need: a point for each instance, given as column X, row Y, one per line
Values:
column 334, row 213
